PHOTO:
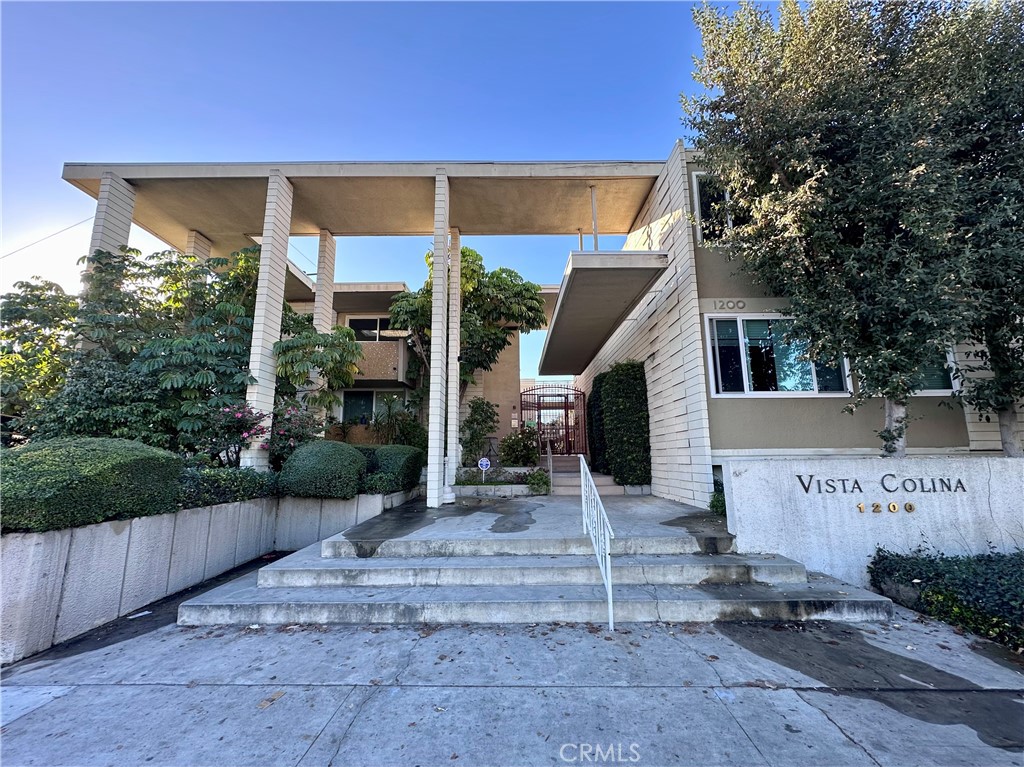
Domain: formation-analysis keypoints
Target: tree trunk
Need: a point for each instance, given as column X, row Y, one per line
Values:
column 1008, row 432
column 894, row 436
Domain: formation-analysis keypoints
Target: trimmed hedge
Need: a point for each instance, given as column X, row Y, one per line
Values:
column 404, row 461
column 323, row 469
column 381, row 483
column 983, row 594
column 595, row 426
column 519, row 448
column 210, row 486
column 74, row 481
column 626, row 423
column 370, row 453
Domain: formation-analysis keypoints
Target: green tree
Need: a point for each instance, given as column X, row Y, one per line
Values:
column 840, row 197
column 36, row 323
column 975, row 68
column 494, row 306
column 481, row 421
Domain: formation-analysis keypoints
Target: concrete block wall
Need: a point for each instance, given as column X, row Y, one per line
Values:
column 60, row 584
column 664, row 333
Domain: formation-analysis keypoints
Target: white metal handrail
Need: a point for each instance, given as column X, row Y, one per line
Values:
column 596, row 524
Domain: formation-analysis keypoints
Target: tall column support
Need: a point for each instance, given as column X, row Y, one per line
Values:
column 198, row 246
column 324, row 317
column 438, row 347
column 454, row 456
column 114, row 208
column 266, row 329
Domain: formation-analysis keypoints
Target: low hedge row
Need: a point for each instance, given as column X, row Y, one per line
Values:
column 74, row 481
column 982, row 594
column 210, row 486
column 323, row 469
column 404, row 461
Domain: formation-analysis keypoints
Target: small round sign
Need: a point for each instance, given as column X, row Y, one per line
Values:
column 484, row 464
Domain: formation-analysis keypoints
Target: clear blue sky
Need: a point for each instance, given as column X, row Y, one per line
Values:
column 220, row 82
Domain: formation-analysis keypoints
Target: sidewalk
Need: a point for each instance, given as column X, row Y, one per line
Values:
column 907, row 692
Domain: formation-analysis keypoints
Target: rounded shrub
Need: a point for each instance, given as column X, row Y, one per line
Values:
column 404, row 461
column 73, row 481
column 323, row 469
column 381, row 483
column 209, row 486
column 370, row 453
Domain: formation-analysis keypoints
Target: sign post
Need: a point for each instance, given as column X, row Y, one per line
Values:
column 484, row 464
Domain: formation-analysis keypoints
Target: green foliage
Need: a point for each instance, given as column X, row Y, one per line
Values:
column 626, row 426
column 301, row 356
column 494, row 306
column 61, row 483
column 323, row 469
column 717, row 504
column 983, row 594
column 519, row 448
column 210, row 486
column 539, row 482
column 595, row 426
column 382, row 483
column 35, row 326
column 411, row 432
column 230, row 430
column 387, row 420
column 370, row 454
column 404, row 461
column 481, row 421
column 843, row 189
column 293, row 425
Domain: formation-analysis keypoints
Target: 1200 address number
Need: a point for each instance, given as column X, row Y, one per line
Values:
column 877, row 508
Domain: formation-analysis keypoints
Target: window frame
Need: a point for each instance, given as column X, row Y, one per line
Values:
column 377, row 317
column 714, row 375
column 339, row 415
column 696, row 210
column 951, row 362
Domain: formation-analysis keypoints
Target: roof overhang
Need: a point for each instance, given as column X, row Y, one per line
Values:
column 226, row 201
column 598, row 292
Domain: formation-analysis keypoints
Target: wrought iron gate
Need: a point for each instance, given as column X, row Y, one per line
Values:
column 558, row 413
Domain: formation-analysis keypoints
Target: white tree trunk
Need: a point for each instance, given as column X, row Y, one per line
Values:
column 1008, row 432
column 895, row 441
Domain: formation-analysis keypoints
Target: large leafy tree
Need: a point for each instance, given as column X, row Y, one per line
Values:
column 841, row 195
column 495, row 304
column 159, row 348
column 974, row 65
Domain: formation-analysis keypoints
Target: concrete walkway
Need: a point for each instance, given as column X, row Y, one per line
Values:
column 146, row 692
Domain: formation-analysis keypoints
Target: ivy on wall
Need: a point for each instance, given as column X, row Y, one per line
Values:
column 595, row 426
column 627, row 437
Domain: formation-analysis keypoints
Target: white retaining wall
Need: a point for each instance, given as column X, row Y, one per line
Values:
column 60, row 584
column 810, row 510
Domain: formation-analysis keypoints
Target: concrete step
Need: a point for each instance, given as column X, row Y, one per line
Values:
column 242, row 602
column 562, row 462
column 604, row 492
column 573, row 478
column 307, row 568
column 681, row 542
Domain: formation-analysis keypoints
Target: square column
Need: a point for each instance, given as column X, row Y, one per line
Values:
column 324, row 316
column 438, row 346
column 114, row 208
column 266, row 329
column 198, row 246
column 454, row 457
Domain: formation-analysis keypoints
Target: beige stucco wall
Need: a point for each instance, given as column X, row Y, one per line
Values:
column 500, row 385
column 819, row 422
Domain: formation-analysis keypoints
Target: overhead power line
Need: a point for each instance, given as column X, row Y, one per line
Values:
column 43, row 239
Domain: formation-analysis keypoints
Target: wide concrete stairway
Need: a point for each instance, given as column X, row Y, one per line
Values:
column 520, row 561
column 565, row 478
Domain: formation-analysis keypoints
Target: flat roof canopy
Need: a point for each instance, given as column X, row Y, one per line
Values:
column 598, row 292
column 226, row 201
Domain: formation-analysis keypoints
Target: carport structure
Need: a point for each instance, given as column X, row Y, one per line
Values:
column 213, row 209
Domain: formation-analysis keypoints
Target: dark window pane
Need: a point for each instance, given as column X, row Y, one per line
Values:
column 830, row 378
column 358, row 405
column 726, row 356
column 711, row 196
column 935, row 375
column 385, row 323
column 366, row 329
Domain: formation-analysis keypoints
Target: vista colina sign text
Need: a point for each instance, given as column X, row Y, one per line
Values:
column 888, row 483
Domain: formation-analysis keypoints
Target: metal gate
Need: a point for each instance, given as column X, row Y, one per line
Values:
column 558, row 412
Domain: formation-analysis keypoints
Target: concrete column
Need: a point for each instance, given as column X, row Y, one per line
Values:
column 114, row 207
column 266, row 329
column 454, row 457
column 324, row 316
column 438, row 347
column 198, row 246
